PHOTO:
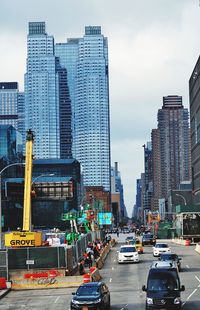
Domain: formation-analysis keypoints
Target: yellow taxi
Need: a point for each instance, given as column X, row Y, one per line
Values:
column 137, row 243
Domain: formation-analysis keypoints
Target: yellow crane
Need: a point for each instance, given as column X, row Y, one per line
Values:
column 26, row 237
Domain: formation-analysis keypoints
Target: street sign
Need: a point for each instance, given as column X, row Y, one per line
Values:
column 29, row 262
column 105, row 218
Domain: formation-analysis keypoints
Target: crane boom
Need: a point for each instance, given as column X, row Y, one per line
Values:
column 28, row 181
column 26, row 238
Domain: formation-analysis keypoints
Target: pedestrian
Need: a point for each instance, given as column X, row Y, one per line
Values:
column 81, row 267
column 117, row 233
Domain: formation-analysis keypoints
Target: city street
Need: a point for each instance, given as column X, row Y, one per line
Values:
column 124, row 281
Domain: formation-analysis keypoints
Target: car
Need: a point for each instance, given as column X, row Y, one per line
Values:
column 160, row 248
column 148, row 239
column 171, row 257
column 163, row 290
column 137, row 243
column 128, row 254
column 92, row 295
column 129, row 238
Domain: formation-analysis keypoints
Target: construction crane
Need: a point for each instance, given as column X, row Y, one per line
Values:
column 26, row 237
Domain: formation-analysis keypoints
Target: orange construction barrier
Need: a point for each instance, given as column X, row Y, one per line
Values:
column 86, row 278
column 3, row 283
column 187, row 242
column 92, row 269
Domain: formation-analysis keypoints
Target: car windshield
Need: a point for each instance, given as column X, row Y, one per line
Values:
column 168, row 257
column 161, row 245
column 148, row 237
column 128, row 249
column 134, row 242
column 163, row 281
column 88, row 290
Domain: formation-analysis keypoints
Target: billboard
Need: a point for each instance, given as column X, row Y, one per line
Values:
column 105, row 218
column 191, row 224
column 153, row 217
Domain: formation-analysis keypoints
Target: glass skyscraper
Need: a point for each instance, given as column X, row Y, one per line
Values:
column 86, row 61
column 45, row 97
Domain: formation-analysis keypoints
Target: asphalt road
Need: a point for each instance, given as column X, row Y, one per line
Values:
column 124, row 281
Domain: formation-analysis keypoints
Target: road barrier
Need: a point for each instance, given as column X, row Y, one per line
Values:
column 187, row 242
column 56, row 277
column 197, row 249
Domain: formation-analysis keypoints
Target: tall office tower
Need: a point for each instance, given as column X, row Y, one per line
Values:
column 174, row 134
column 86, row 61
column 44, row 96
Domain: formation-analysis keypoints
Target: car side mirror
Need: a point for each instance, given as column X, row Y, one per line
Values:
column 73, row 293
column 182, row 288
column 144, row 288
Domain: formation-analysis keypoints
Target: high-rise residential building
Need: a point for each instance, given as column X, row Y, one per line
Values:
column 12, row 106
column 174, row 140
column 46, row 99
column 86, row 62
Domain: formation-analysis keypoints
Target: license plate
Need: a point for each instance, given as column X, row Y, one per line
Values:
column 85, row 308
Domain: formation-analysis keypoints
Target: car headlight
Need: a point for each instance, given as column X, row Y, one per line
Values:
column 177, row 301
column 97, row 301
column 149, row 301
column 76, row 302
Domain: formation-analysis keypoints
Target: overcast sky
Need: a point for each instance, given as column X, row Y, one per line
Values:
column 153, row 47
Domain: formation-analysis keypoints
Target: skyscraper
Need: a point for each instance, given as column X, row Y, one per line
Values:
column 45, row 96
column 86, row 61
column 174, row 135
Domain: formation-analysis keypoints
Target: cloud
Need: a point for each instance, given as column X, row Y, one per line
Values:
column 153, row 47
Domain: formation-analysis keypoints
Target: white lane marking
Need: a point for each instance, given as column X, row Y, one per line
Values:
column 113, row 268
column 114, row 260
column 187, row 266
column 110, row 280
column 192, row 293
column 197, row 279
column 56, row 299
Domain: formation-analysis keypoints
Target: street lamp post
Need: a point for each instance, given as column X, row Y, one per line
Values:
column 185, row 203
column 14, row 164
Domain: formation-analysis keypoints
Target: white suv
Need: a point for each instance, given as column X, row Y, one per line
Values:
column 160, row 248
column 127, row 254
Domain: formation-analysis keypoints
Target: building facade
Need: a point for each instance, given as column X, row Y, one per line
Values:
column 86, row 61
column 194, row 91
column 12, row 106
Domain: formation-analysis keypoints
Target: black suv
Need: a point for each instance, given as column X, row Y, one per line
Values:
column 163, row 287
column 148, row 239
column 171, row 257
